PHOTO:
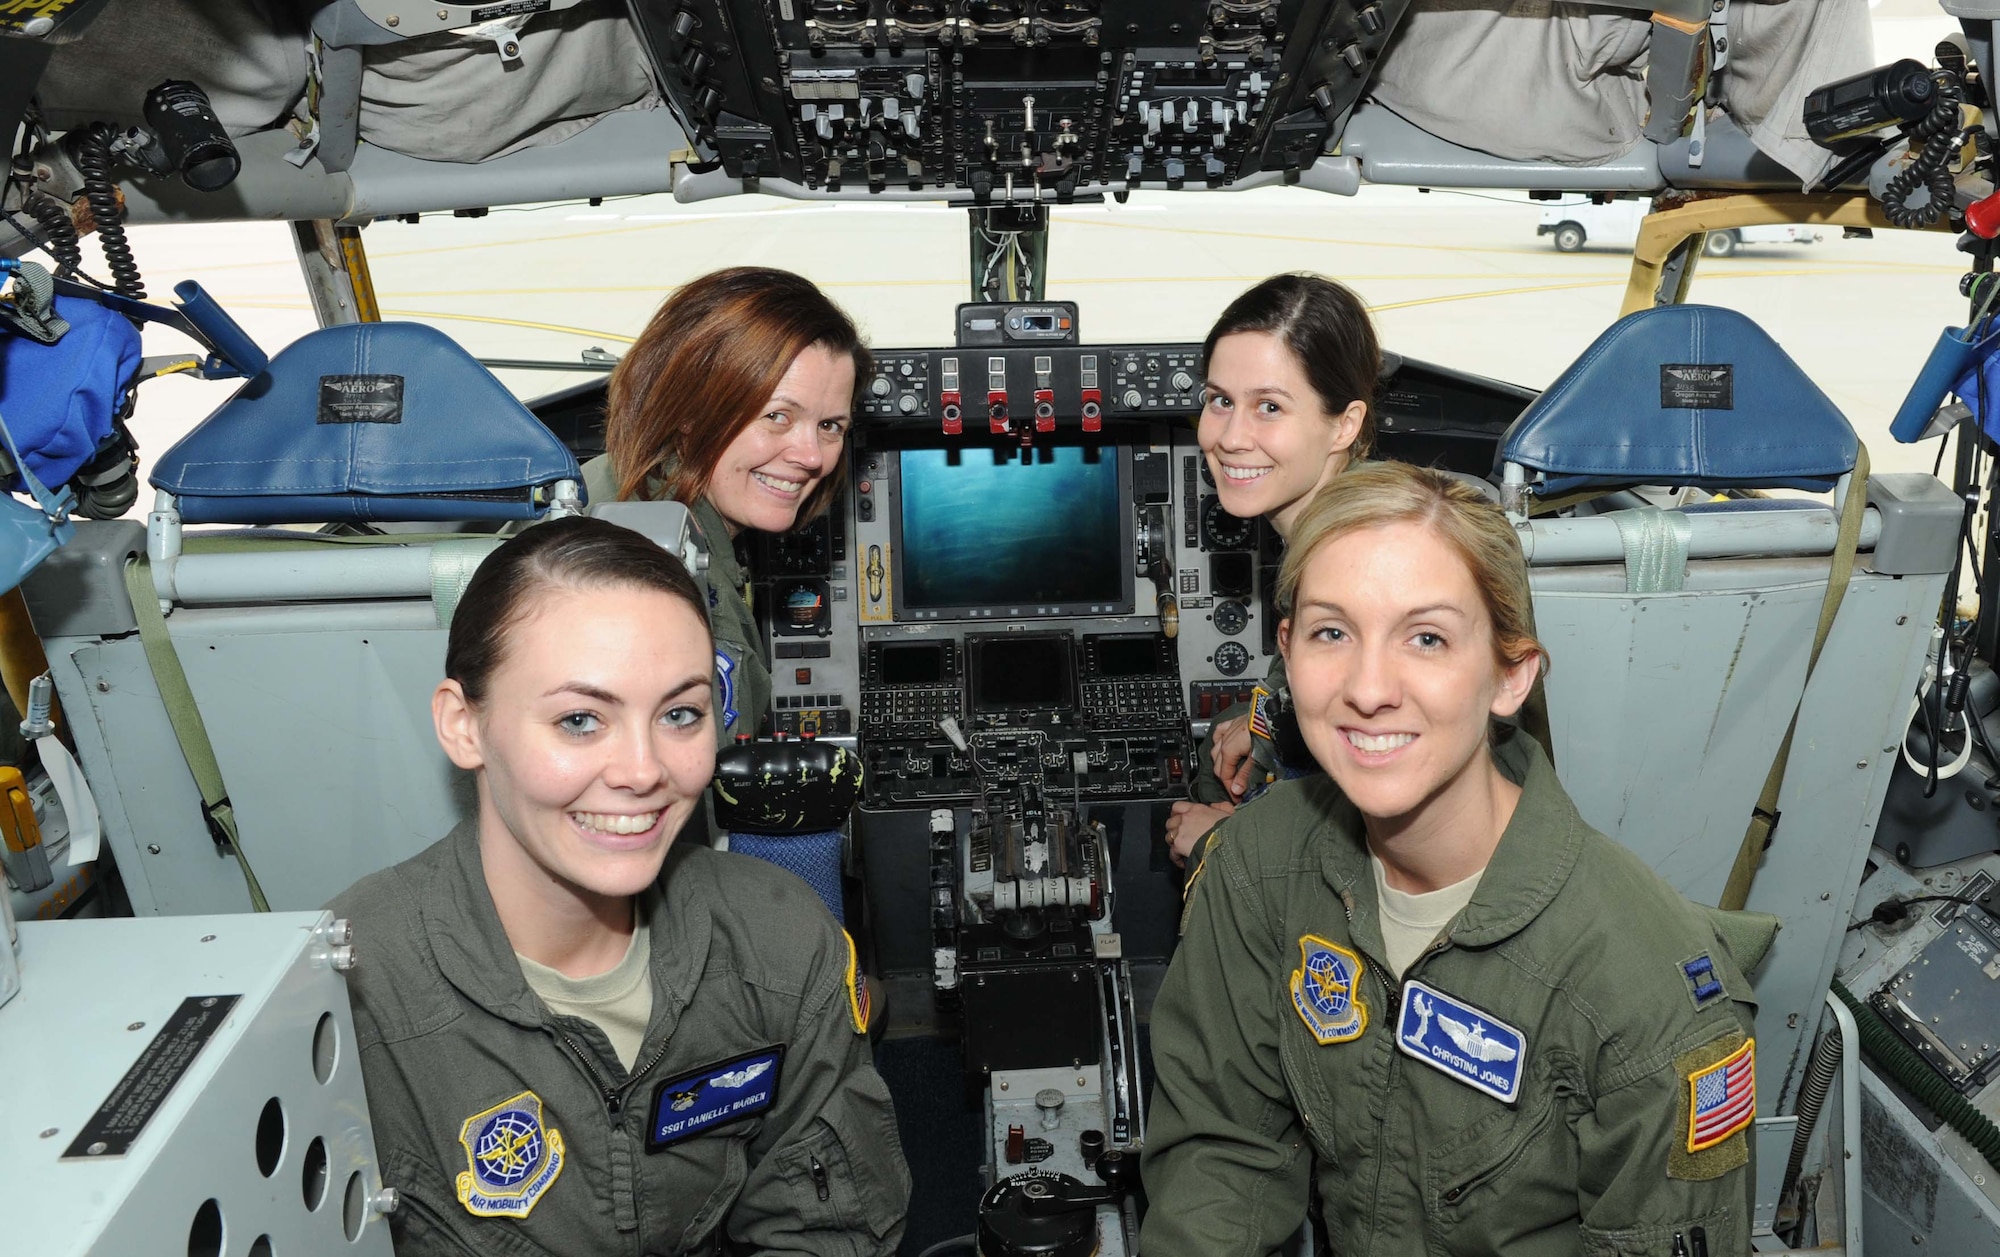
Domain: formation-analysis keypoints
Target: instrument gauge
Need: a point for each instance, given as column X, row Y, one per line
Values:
column 1231, row 658
column 1231, row 617
column 1222, row 531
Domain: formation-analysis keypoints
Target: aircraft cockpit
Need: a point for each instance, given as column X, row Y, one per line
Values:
column 996, row 659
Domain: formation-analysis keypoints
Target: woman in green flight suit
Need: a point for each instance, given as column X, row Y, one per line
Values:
column 736, row 400
column 1421, row 981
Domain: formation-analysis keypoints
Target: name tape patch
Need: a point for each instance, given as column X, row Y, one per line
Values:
column 360, row 399
column 714, row 1095
column 1461, row 1041
column 512, row 1157
column 1722, row 1099
column 1697, row 386
column 1325, row 990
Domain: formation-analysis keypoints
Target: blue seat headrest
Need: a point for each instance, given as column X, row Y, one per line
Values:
column 1683, row 395
column 366, row 421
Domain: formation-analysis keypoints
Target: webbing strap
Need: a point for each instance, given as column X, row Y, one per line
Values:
column 452, row 565
column 185, row 717
column 1656, row 549
column 1764, row 817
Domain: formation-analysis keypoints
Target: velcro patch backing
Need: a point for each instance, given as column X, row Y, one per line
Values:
column 1713, row 1078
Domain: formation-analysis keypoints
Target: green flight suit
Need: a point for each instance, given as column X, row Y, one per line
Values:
column 1570, row 939
column 742, row 674
column 745, row 959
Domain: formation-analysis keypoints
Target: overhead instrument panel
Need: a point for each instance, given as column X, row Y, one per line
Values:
column 1012, row 100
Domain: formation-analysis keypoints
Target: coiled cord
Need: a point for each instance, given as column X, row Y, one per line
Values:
column 93, row 162
column 58, row 232
column 1812, row 1097
column 1930, row 169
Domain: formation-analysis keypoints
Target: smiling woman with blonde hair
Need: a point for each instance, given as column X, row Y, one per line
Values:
column 1421, row 981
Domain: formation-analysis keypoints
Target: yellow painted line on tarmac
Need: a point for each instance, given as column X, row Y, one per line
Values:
column 488, row 318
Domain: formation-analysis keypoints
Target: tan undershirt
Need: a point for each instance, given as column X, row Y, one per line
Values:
column 1411, row 923
column 619, row 1000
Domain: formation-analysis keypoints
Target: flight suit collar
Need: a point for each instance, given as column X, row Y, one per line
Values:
column 475, row 955
column 1536, row 854
column 723, row 569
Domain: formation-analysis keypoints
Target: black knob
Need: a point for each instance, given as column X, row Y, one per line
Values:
column 684, row 24
column 1091, row 1145
column 1119, row 1170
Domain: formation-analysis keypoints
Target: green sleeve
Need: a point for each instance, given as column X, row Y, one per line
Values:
column 1226, row 1164
column 827, row 1175
column 1203, row 785
column 1639, row 1186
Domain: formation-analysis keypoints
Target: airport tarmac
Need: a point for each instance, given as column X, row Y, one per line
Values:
column 1456, row 278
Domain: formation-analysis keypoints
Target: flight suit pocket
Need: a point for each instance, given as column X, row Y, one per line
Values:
column 1656, row 1241
column 1507, row 1174
column 721, row 1158
column 839, row 1186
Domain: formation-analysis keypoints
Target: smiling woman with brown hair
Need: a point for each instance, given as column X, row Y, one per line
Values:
column 736, row 400
column 578, row 1035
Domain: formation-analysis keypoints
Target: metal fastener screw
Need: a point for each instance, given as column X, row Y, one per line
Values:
column 1003, row 1084
column 1861, row 763
column 444, row 14
column 103, row 686
column 341, row 958
column 153, row 848
column 208, row 938
column 35, row 28
column 1825, row 895
column 97, row 1149
column 385, row 1201
column 1902, row 619
column 1081, row 1082
column 394, row 20
column 49, row 1133
column 137, row 1025
column 1792, row 1022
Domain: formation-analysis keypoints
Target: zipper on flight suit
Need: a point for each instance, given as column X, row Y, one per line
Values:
column 818, row 1172
column 614, row 1104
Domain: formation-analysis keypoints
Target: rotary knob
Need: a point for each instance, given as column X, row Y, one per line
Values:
column 1182, row 381
column 1133, row 399
column 907, row 403
column 880, row 386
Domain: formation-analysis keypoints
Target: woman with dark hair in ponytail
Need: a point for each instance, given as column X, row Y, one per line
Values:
column 1288, row 404
column 579, row 1036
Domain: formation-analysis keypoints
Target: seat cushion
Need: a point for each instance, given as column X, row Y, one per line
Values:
column 1683, row 395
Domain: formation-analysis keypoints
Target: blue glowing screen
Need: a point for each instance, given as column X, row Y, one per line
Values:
column 1030, row 531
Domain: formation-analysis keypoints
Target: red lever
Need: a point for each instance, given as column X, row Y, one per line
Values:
column 1982, row 218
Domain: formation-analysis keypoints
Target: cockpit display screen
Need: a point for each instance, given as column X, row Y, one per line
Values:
column 1126, row 656
column 1012, row 533
column 912, row 663
column 1011, row 672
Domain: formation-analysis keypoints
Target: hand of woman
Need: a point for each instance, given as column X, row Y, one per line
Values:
column 1188, row 822
column 1229, row 752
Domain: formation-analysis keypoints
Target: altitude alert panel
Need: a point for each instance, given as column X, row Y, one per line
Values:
column 1010, row 100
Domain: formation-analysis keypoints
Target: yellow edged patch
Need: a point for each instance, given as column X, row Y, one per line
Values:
column 1722, row 1099
column 512, row 1157
column 1326, row 991
column 857, row 991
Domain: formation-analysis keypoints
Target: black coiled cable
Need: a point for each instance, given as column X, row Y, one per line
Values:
column 1930, row 169
column 93, row 162
column 58, row 232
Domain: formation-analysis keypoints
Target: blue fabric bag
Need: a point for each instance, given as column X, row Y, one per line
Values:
column 60, row 399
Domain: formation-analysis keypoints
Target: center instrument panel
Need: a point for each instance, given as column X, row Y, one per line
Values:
column 1012, row 100
column 1029, row 578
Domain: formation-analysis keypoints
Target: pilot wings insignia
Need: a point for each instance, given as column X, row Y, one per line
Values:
column 1466, row 1044
column 737, row 1077
column 1474, row 1042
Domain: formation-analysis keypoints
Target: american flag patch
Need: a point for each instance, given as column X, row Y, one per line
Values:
column 1722, row 1099
column 1260, row 713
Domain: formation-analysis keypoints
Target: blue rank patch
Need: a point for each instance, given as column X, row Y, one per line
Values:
column 725, row 684
column 512, row 1157
column 714, row 1095
column 1703, row 984
column 1463, row 1042
column 1325, row 991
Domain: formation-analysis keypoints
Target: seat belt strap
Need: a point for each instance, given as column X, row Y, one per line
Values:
column 1764, row 817
column 185, row 717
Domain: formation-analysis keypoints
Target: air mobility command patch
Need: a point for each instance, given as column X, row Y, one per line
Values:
column 725, row 684
column 714, row 1095
column 511, row 1158
column 1715, row 1103
column 1326, row 991
column 1461, row 1041
column 858, row 1000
